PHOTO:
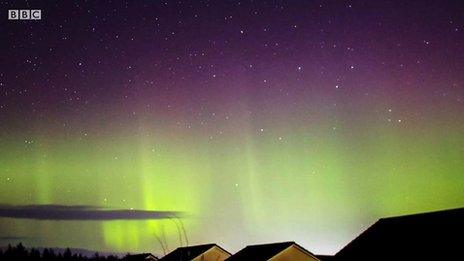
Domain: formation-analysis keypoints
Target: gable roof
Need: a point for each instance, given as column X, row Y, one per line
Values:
column 189, row 253
column 325, row 257
column 263, row 251
column 414, row 236
column 140, row 257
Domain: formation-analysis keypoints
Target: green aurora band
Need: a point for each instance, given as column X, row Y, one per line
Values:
column 316, row 185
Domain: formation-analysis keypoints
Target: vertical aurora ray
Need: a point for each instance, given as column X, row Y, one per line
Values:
column 42, row 170
column 166, row 178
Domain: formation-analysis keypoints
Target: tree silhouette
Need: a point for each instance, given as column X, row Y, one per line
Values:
column 19, row 252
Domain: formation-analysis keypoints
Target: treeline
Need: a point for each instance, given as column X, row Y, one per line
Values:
column 19, row 252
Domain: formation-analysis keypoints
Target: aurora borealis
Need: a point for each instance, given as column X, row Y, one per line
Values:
column 260, row 121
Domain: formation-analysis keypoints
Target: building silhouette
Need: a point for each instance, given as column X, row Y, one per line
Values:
column 275, row 252
column 427, row 236
column 140, row 257
column 206, row 252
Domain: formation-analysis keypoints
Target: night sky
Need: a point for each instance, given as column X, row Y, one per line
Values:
column 251, row 121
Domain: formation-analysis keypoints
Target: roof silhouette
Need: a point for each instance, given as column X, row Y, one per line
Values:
column 325, row 257
column 138, row 257
column 188, row 253
column 417, row 236
column 263, row 251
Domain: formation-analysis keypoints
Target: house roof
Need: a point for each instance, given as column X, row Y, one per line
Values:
column 138, row 257
column 415, row 235
column 325, row 257
column 264, row 251
column 190, row 252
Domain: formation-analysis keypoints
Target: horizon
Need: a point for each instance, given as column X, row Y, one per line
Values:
column 145, row 125
column 89, row 252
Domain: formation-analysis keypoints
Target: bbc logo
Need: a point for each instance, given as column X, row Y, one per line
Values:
column 24, row 14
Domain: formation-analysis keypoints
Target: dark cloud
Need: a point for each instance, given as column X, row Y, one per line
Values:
column 62, row 212
column 12, row 238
